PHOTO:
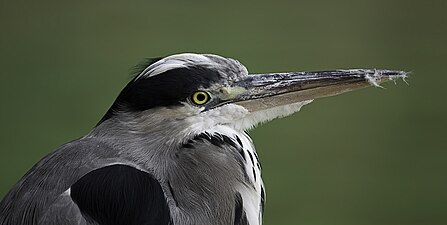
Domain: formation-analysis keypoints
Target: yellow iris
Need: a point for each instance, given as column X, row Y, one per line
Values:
column 200, row 97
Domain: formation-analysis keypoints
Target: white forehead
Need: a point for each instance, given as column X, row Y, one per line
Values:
column 227, row 66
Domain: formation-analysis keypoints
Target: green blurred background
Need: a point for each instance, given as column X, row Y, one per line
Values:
column 374, row 156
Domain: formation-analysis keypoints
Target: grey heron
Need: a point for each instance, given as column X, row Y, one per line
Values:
column 173, row 148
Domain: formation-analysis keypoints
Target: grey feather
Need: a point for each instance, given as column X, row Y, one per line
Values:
column 203, row 178
column 41, row 188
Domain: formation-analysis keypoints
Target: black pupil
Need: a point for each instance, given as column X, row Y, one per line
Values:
column 201, row 97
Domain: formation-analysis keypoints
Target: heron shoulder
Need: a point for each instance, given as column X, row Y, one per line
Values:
column 31, row 197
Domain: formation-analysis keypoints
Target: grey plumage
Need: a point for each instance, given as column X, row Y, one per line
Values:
column 199, row 155
column 203, row 178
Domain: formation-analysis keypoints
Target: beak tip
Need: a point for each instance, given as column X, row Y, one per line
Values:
column 376, row 77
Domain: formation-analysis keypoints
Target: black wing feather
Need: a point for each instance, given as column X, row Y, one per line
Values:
column 121, row 194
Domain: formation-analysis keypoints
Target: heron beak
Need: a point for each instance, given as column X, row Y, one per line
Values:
column 265, row 91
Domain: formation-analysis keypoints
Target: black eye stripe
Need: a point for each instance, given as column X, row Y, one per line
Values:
column 167, row 89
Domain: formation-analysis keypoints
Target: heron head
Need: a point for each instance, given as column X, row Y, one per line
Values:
column 196, row 92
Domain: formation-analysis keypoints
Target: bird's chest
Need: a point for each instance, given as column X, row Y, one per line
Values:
column 213, row 179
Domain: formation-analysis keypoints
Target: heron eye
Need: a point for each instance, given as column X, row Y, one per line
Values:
column 200, row 97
